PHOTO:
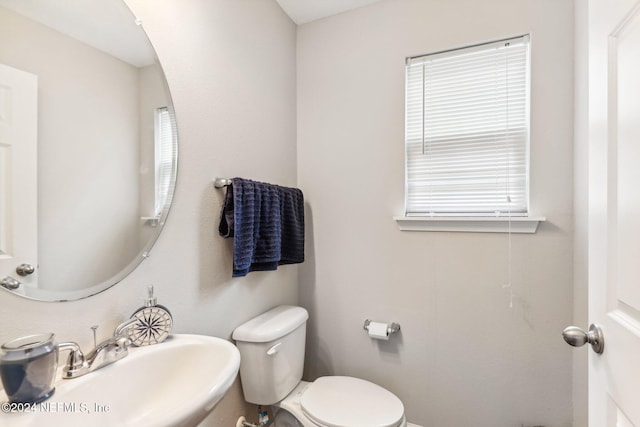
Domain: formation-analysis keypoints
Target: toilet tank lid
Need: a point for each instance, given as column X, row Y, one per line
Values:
column 274, row 324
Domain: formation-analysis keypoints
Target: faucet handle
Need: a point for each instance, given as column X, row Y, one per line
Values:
column 123, row 343
column 76, row 358
column 75, row 361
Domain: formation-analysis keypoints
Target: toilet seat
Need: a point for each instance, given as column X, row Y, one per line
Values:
column 351, row 402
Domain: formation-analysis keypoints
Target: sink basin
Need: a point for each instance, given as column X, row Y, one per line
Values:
column 175, row 383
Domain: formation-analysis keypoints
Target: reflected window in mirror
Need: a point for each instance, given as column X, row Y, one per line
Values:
column 166, row 147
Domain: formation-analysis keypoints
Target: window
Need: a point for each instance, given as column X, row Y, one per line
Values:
column 467, row 131
column 166, row 148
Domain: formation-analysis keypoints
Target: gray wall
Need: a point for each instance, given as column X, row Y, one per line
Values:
column 464, row 356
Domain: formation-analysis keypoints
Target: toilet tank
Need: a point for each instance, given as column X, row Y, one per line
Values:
column 271, row 353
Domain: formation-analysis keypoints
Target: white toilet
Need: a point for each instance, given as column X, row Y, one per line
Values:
column 272, row 357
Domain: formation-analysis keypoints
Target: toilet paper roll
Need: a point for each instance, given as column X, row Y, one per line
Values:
column 378, row 331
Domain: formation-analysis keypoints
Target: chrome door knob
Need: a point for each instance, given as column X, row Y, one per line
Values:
column 577, row 337
column 25, row 269
column 9, row 283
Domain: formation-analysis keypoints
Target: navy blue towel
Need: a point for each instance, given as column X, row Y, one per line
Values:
column 267, row 225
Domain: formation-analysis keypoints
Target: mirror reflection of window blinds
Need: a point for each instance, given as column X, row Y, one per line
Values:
column 467, row 131
column 166, row 146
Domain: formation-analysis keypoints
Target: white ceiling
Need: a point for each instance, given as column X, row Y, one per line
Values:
column 106, row 25
column 303, row 11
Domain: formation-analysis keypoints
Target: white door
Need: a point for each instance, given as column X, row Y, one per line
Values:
column 18, row 173
column 614, row 211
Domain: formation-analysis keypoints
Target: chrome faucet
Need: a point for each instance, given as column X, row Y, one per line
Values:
column 104, row 353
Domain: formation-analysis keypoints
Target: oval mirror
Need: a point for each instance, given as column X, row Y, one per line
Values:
column 88, row 147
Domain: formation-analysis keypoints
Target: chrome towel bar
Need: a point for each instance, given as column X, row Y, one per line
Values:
column 221, row 182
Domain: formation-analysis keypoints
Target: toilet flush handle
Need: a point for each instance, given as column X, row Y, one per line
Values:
column 274, row 349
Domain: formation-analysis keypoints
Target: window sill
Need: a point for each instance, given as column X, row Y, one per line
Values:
column 470, row 224
column 152, row 221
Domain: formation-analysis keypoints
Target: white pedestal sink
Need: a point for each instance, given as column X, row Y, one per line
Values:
column 175, row 383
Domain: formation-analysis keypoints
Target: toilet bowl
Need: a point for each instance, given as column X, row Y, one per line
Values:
column 352, row 410
column 272, row 355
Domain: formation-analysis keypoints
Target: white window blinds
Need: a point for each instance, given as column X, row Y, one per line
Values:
column 166, row 148
column 467, row 131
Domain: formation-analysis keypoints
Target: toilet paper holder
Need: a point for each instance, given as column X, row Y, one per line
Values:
column 391, row 329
